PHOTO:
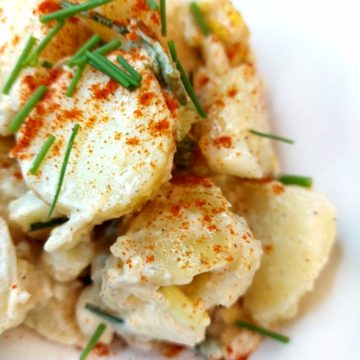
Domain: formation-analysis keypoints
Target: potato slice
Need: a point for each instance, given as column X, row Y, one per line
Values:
column 224, row 339
column 67, row 265
column 55, row 320
column 86, row 320
column 191, row 220
column 29, row 209
column 21, row 285
column 121, row 156
column 12, row 185
column 297, row 230
column 235, row 104
column 184, row 253
column 20, row 20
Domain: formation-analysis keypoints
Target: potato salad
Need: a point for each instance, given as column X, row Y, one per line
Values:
column 140, row 193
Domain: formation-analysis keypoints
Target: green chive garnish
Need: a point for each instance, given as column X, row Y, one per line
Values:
column 163, row 17
column 47, row 65
column 199, row 18
column 107, row 67
column 42, row 154
column 64, row 167
column 191, row 78
column 48, row 224
column 152, row 4
column 34, row 57
column 81, row 60
column 110, row 46
column 303, row 181
column 173, row 52
column 103, row 314
column 122, row 61
column 103, row 50
column 97, row 17
column 262, row 331
column 21, row 116
column 187, row 85
column 92, row 342
column 68, row 12
column 75, row 80
column 89, row 45
column 271, row 136
column 19, row 65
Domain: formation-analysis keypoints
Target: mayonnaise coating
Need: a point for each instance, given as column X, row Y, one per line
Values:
column 21, row 285
column 121, row 156
column 187, row 236
column 297, row 230
column 20, row 20
column 236, row 104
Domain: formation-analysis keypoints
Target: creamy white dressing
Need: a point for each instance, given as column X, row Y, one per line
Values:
column 187, row 250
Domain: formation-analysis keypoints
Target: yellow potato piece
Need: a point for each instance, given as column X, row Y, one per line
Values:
column 297, row 230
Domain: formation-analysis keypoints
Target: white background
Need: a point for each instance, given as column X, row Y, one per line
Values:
column 309, row 56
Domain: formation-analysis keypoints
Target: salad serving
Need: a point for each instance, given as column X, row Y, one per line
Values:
column 140, row 193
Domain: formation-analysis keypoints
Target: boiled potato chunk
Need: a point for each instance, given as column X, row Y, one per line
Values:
column 86, row 320
column 28, row 209
column 67, row 265
column 14, row 300
column 182, row 308
column 224, row 339
column 122, row 154
column 187, row 230
column 20, row 20
column 222, row 18
column 184, row 253
column 55, row 320
column 21, row 285
column 235, row 104
column 297, row 230
column 149, row 315
column 12, row 185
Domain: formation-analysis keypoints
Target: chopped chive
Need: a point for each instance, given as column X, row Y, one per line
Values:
column 92, row 342
column 48, row 224
column 42, row 155
column 110, row 46
column 89, row 45
column 75, row 80
column 187, row 85
column 21, row 116
column 121, row 80
column 64, row 167
column 152, row 4
column 68, row 12
column 184, row 151
column 304, row 181
column 81, row 60
column 199, row 18
column 34, row 57
column 47, row 64
column 100, row 19
column 191, row 78
column 103, row 314
column 173, row 52
column 122, row 61
column 103, row 50
column 163, row 17
column 107, row 67
column 19, row 65
column 271, row 136
column 262, row 331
